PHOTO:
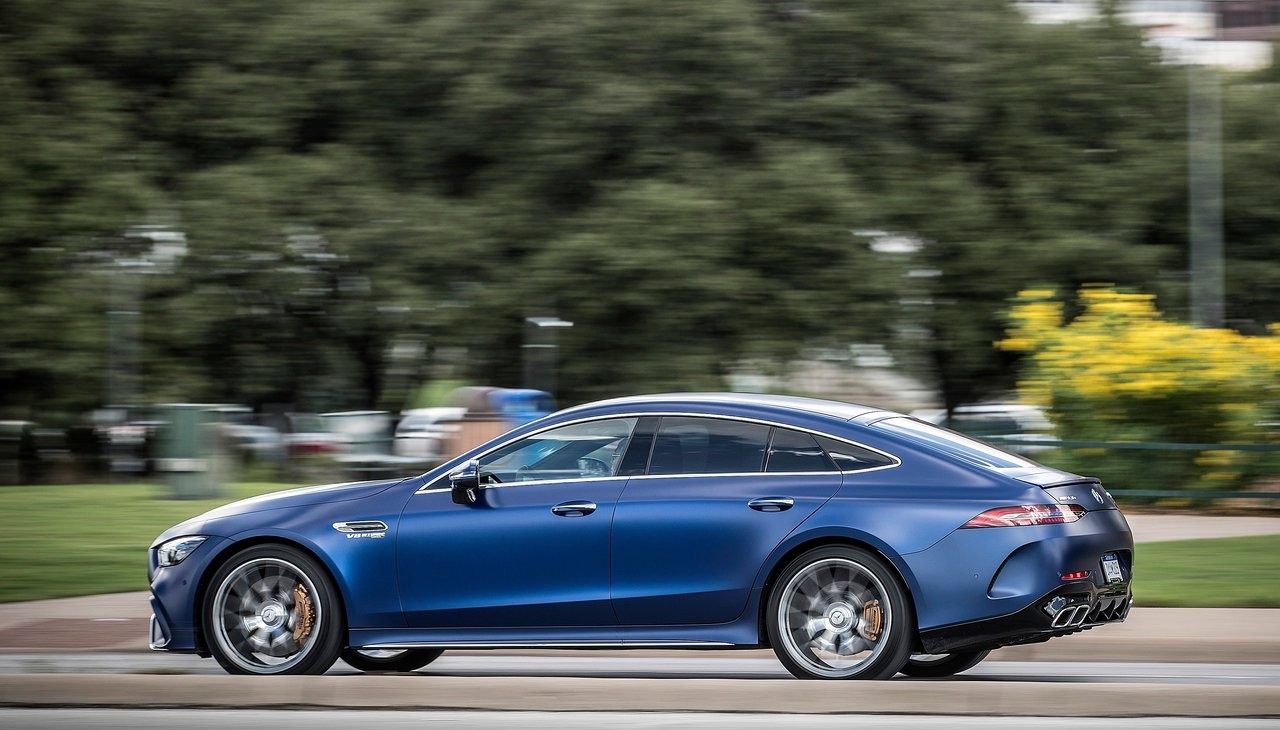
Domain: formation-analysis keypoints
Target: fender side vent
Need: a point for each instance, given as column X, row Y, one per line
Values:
column 361, row 526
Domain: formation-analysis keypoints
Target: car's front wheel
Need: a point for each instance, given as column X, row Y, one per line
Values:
column 942, row 665
column 272, row 609
column 839, row 613
column 404, row 660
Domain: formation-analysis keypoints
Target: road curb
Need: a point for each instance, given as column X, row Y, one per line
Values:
column 544, row 694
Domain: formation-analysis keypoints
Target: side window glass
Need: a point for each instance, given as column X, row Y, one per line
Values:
column 848, row 457
column 687, row 445
column 796, row 451
column 578, row 451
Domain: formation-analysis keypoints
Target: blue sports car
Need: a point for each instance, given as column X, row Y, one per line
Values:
column 856, row 542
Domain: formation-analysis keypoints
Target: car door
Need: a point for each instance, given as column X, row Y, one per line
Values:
column 690, row 535
column 533, row 551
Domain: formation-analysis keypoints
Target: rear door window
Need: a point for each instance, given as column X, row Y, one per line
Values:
column 692, row 445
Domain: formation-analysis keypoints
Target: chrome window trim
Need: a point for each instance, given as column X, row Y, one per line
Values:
column 762, row 473
column 896, row 461
column 531, row 482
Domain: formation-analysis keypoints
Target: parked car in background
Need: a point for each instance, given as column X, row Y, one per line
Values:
column 854, row 541
column 368, row 445
column 1005, row 424
column 424, row 432
column 307, row 434
column 256, row 443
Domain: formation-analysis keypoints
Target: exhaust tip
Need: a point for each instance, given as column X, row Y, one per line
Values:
column 1071, row 616
column 1079, row 616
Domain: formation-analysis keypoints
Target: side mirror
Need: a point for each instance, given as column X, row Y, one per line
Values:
column 464, row 484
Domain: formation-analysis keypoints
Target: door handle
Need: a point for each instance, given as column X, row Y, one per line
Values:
column 579, row 508
column 771, row 504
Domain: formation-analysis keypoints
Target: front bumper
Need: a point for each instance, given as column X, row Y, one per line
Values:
column 1073, row 608
column 174, row 596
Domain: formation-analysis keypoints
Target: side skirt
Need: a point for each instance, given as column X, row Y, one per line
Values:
column 739, row 633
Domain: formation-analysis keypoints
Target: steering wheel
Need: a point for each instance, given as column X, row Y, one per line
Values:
column 590, row 466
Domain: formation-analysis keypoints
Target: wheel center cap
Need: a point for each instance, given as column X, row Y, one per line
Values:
column 840, row 617
column 272, row 614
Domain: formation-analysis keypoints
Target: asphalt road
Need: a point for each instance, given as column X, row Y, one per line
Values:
column 390, row 720
column 692, row 667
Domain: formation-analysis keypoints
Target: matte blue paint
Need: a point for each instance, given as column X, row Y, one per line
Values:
column 661, row 559
column 687, row 549
column 507, row 561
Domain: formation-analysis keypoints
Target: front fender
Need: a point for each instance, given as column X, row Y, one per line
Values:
column 362, row 568
column 362, row 565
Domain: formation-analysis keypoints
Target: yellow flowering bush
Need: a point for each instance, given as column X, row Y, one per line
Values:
column 1120, row 371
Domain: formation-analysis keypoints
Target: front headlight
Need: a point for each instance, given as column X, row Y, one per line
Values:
column 176, row 550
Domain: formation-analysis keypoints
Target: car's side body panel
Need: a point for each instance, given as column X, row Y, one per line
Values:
column 686, row 549
column 507, row 561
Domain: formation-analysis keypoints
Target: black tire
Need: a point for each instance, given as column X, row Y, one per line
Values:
column 272, row 609
column 399, row 661
column 833, row 598
column 942, row 665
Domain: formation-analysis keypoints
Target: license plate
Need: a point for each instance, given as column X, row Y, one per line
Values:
column 1111, row 569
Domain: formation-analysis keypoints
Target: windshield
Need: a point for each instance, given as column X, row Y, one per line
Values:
column 954, row 444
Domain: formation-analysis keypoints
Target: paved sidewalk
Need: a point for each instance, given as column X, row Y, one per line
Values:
column 1164, row 527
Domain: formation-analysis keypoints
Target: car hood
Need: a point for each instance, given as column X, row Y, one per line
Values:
column 276, row 500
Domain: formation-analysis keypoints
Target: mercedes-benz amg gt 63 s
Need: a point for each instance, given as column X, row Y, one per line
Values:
column 856, row 542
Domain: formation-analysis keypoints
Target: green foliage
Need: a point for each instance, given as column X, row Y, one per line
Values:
column 1120, row 371
column 358, row 183
column 1232, row 572
column 79, row 540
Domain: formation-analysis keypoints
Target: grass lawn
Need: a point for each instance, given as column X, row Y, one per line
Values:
column 1229, row 572
column 79, row 540
column 76, row 540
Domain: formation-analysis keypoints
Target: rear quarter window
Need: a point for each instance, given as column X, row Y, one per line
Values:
column 953, row 444
column 848, row 457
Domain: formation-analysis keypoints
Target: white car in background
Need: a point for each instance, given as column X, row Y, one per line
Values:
column 1005, row 424
column 422, row 432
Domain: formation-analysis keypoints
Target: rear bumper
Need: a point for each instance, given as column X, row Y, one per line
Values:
column 1073, row 608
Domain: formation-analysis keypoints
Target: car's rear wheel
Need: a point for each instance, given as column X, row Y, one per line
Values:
column 378, row 660
column 839, row 613
column 942, row 665
column 272, row 609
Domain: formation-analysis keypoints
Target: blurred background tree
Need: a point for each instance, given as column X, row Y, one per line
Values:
column 684, row 181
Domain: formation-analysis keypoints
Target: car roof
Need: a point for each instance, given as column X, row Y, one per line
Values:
column 831, row 408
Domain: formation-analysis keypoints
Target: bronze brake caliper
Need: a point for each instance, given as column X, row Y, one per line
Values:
column 872, row 620
column 304, row 613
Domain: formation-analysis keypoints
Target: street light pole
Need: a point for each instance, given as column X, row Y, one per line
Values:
column 1204, row 189
column 540, row 337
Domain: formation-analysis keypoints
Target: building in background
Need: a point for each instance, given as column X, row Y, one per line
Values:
column 1234, row 35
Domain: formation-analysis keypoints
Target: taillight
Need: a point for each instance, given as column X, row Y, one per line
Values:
column 1028, row 514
